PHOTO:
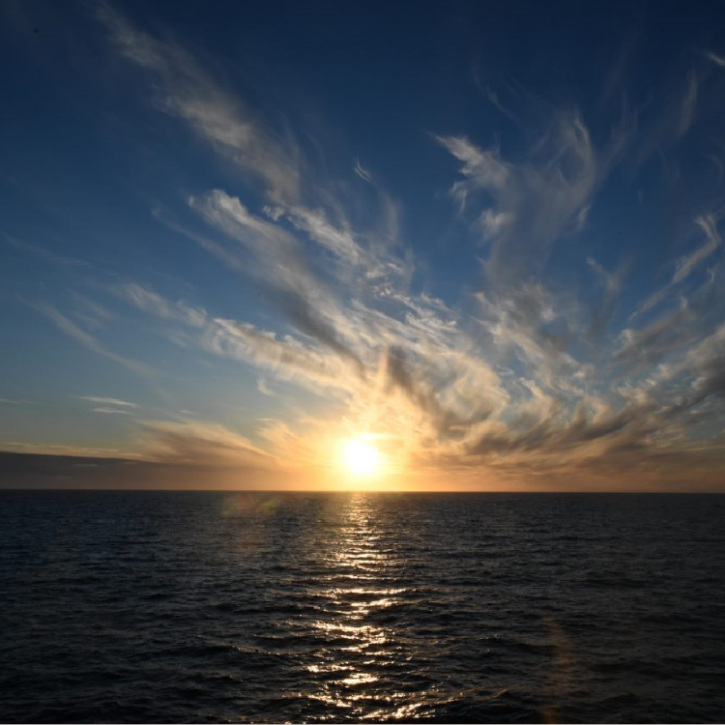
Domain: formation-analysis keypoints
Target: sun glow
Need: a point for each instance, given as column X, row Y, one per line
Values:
column 360, row 457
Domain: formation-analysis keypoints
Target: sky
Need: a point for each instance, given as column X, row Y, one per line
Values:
column 484, row 239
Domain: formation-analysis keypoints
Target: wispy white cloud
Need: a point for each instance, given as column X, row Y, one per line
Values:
column 538, row 199
column 87, row 340
column 149, row 301
column 45, row 254
column 112, row 411
column 184, row 89
column 107, row 401
column 715, row 58
column 90, row 313
column 685, row 265
column 688, row 108
column 362, row 172
column 263, row 387
column 613, row 283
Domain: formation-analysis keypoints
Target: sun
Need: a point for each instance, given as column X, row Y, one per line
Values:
column 360, row 457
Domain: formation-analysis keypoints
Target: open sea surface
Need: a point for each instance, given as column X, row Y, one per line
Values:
column 239, row 607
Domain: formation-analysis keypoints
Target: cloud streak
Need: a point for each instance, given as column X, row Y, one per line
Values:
column 112, row 411
column 193, row 443
column 107, row 401
column 90, row 342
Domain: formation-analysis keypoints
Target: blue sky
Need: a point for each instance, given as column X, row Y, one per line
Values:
column 487, row 238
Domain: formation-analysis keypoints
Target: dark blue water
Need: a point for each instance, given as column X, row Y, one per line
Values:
column 174, row 607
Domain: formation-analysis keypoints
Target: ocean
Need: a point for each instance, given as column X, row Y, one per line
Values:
column 290, row 607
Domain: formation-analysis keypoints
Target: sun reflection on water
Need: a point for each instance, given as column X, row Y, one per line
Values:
column 349, row 671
